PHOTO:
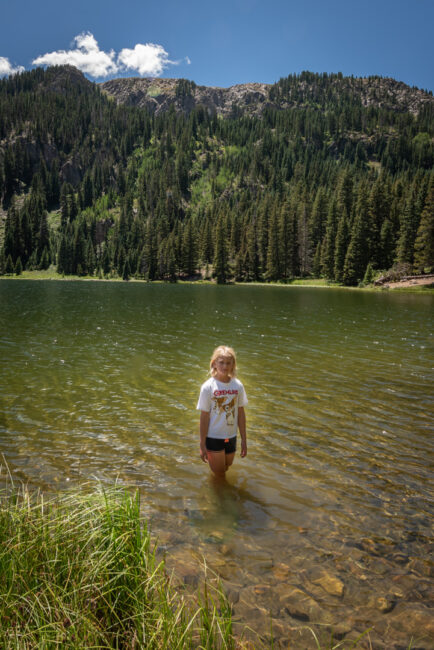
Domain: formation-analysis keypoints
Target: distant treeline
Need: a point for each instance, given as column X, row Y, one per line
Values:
column 327, row 187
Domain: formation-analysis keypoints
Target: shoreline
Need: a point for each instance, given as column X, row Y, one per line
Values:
column 422, row 285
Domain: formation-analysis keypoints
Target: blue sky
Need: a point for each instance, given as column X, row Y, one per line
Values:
column 222, row 43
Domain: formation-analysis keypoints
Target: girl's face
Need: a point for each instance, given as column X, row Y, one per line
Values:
column 224, row 367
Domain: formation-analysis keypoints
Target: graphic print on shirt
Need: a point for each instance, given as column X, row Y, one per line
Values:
column 223, row 404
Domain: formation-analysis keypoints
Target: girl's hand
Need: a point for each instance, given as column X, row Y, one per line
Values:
column 203, row 453
column 243, row 448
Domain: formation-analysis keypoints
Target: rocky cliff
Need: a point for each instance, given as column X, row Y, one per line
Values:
column 158, row 95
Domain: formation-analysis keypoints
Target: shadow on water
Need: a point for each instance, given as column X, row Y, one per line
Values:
column 225, row 509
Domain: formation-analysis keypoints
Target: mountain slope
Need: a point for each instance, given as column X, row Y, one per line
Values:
column 307, row 89
column 317, row 174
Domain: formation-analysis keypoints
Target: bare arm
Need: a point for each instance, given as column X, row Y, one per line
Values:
column 203, row 428
column 242, row 428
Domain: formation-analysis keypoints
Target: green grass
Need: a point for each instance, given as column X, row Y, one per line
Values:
column 312, row 282
column 51, row 274
column 80, row 571
column 154, row 91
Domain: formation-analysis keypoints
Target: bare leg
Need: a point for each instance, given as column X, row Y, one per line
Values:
column 229, row 459
column 216, row 460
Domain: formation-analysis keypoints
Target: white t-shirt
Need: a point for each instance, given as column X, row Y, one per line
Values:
column 222, row 400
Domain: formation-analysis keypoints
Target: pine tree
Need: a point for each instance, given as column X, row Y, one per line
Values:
column 304, row 240
column 206, row 243
column 189, row 249
column 273, row 271
column 316, row 264
column 424, row 244
column 150, row 251
column 221, row 260
column 171, row 259
column 13, row 242
column 357, row 256
column 53, row 192
column 408, row 231
column 43, row 237
column 238, row 268
column 9, row 267
column 162, row 260
column 287, row 244
column 27, row 235
column 345, row 194
column 64, row 205
column 262, row 234
column 72, row 206
column 44, row 261
column 235, row 239
column 10, row 181
column 79, row 254
column 64, row 262
column 318, row 218
column 387, row 245
column 329, row 243
column 18, row 267
column 122, row 259
column 369, row 275
column 106, row 261
column 342, row 238
column 379, row 209
column 251, row 259
column 87, row 190
column 126, row 271
column 294, row 245
column 90, row 257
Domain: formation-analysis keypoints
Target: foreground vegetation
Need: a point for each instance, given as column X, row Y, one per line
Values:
column 81, row 571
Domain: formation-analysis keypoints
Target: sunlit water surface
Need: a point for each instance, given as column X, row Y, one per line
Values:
column 329, row 518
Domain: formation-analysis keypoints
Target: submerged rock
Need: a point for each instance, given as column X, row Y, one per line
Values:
column 415, row 621
column 256, row 600
column 191, row 579
column 216, row 536
column 421, row 567
column 329, row 582
column 383, row 604
column 227, row 549
column 281, row 571
column 341, row 630
column 298, row 603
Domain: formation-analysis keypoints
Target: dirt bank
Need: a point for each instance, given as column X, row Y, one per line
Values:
column 414, row 281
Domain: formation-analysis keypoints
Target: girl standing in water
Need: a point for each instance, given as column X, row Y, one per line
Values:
column 221, row 404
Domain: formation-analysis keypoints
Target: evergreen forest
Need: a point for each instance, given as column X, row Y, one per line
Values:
column 329, row 186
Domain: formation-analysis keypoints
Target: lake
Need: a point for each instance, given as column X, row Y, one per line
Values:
column 328, row 522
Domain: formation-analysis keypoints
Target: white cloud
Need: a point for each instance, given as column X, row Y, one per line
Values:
column 148, row 60
column 87, row 57
column 6, row 67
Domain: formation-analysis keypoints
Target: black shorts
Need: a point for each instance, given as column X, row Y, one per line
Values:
column 227, row 445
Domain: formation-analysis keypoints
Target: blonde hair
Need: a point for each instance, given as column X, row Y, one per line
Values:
column 223, row 351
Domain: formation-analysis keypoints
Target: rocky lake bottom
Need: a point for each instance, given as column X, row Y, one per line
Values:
column 326, row 526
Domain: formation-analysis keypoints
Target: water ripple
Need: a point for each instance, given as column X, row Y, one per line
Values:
column 101, row 381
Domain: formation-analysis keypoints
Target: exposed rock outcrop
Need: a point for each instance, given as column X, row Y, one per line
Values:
column 158, row 95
